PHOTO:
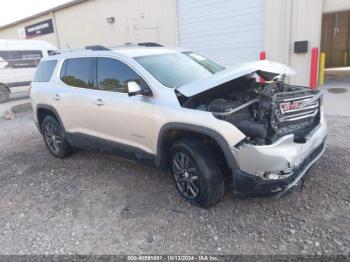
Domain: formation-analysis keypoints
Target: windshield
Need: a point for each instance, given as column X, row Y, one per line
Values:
column 178, row 69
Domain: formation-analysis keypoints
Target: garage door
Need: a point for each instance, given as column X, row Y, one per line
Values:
column 228, row 31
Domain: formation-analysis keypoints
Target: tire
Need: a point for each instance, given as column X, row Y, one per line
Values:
column 4, row 94
column 199, row 171
column 54, row 138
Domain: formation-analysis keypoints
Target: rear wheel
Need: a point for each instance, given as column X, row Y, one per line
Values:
column 196, row 174
column 4, row 93
column 54, row 138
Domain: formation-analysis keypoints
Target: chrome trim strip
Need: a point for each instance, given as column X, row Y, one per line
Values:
column 298, row 116
column 316, row 97
column 297, row 98
column 236, row 109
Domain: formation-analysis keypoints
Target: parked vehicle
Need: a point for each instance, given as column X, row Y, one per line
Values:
column 185, row 114
column 18, row 61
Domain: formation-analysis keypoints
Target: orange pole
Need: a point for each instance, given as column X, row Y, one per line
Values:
column 262, row 57
column 314, row 68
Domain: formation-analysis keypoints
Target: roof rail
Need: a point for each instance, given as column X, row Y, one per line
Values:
column 53, row 52
column 97, row 48
column 149, row 44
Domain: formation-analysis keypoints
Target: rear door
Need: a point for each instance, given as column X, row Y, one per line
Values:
column 74, row 100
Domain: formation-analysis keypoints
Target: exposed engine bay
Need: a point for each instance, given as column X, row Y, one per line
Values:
column 263, row 112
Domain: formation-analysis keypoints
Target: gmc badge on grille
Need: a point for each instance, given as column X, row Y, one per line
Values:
column 287, row 106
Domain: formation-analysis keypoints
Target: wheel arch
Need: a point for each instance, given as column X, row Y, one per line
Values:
column 43, row 110
column 169, row 130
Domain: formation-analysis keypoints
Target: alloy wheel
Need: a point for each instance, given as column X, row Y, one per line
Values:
column 53, row 137
column 185, row 175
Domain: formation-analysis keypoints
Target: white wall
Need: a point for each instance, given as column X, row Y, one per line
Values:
column 335, row 5
column 289, row 21
column 135, row 21
column 278, row 30
column 306, row 25
column 226, row 31
column 85, row 23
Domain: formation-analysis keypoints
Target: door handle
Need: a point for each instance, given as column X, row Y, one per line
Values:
column 99, row 102
column 56, row 97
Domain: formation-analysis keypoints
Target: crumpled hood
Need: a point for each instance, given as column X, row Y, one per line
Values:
column 264, row 68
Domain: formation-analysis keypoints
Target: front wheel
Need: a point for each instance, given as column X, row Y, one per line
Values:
column 197, row 177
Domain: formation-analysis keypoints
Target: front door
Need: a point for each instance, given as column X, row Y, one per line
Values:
column 127, row 121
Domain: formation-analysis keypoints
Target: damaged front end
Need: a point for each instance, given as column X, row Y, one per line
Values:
column 271, row 111
column 283, row 125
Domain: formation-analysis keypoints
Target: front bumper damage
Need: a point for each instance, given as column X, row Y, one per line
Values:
column 286, row 159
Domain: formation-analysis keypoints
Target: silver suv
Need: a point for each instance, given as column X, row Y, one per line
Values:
column 212, row 127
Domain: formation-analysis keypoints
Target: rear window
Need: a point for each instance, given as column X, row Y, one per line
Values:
column 44, row 71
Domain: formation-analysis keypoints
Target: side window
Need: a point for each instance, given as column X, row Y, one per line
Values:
column 114, row 75
column 44, row 71
column 79, row 72
column 24, row 58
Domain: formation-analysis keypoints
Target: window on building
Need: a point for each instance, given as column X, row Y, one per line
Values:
column 114, row 75
column 44, row 71
column 79, row 72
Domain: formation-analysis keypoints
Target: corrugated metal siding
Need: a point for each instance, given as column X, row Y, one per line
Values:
column 135, row 21
column 85, row 23
column 228, row 31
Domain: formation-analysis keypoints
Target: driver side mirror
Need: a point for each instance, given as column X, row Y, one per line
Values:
column 134, row 88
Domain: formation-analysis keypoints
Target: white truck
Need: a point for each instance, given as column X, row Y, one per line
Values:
column 18, row 62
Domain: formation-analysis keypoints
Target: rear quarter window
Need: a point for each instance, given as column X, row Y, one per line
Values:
column 44, row 71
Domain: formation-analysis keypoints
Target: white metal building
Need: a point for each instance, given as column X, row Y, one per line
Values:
column 106, row 22
column 228, row 31
column 234, row 31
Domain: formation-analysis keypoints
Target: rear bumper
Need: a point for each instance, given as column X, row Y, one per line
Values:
column 250, row 185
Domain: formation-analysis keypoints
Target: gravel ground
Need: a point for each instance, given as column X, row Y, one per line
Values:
column 100, row 204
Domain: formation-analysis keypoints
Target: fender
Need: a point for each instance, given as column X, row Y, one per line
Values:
column 69, row 137
column 197, row 129
column 53, row 110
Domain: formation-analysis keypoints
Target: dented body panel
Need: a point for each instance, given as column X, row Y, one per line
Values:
column 284, row 154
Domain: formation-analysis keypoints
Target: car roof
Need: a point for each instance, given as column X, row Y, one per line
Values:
column 121, row 51
column 145, row 51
